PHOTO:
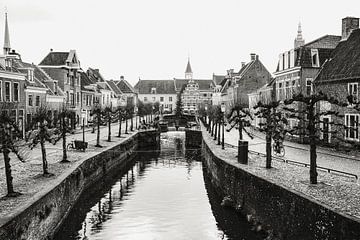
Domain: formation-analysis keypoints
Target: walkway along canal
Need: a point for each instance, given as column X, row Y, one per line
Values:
column 162, row 194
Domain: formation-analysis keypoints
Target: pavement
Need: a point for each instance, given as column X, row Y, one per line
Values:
column 327, row 158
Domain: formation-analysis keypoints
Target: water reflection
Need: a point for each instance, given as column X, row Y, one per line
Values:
column 162, row 195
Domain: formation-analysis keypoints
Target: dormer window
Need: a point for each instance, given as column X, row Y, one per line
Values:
column 353, row 91
column 55, row 87
column 315, row 58
column 153, row 90
column 30, row 75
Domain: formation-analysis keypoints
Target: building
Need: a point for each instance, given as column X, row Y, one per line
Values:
column 162, row 91
column 90, row 95
column 340, row 78
column 64, row 67
column 218, row 81
column 128, row 91
column 298, row 67
column 193, row 92
column 237, row 85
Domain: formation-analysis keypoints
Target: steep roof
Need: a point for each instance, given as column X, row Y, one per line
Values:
column 204, row 84
column 85, row 81
column 188, row 67
column 113, row 87
column 327, row 41
column 344, row 62
column 218, row 78
column 125, row 86
column 162, row 86
column 39, row 76
column 55, row 59
column 95, row 75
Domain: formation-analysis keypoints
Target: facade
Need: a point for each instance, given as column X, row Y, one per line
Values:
column 237, row 85
column 90, row 95
column 340, row 78
column 298, row 67
column 64, row 67
column 162, row 91
column 218, row 81
column 129, row 93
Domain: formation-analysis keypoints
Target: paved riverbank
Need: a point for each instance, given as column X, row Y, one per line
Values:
column 28, row 178
column 339, row 193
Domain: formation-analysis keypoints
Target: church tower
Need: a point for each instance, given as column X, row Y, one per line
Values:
column 299, row 41
column 188, row 71
column 7, row 47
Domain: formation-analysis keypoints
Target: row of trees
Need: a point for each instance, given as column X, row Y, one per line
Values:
column 275, row 116
column 46, row 129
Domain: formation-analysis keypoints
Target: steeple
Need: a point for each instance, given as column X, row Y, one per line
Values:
column 299, row 41
column 7, row 37
column 188, row 71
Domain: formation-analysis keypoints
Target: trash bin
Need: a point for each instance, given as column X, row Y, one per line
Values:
column 243, row 147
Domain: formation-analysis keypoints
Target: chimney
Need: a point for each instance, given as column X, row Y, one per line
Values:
column 252, row 56
column 348, row 25
column 121, row 77
column 242, row 64
column 257, row 57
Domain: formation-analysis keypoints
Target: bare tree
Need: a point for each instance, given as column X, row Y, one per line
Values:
column 311, row 118
column 8, row 133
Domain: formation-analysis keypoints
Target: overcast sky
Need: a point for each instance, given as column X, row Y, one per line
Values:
column 152, row 39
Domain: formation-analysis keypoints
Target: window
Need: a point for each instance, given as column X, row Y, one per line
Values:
column 161, row 99
column 55, row 87
column 30, row 101
column 16, row 92
column 13, row 114
column 72, row 99
column 153, row 90
column 145, row 99
column 78, row 97
column 7, row 92
column 352, row 126
column 170, row 99
column 315, row 58
column 1, row 91
column 353, row 89
column 287, row 89
column 37, row 101
column 31, row 75
column 309, row 86
column 153, row 98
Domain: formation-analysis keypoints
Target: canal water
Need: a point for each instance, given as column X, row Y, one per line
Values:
column 163, row 194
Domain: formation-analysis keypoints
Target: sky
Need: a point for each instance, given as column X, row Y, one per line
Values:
column 152, row 39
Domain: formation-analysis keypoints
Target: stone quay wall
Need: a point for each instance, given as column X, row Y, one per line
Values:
column 41, row 219
column 283, row 213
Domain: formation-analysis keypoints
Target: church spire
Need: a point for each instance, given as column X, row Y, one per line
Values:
column 188, row 71
column 299, row 41
column 7, row 37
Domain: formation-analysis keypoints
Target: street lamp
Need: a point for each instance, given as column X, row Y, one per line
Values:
column 223, row 108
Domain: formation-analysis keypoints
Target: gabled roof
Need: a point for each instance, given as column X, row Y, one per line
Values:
column 327, row 41
column 55, row 59
column 161, row 86
column 94, row 75
column 85, row 81
column 344, row 62
column 125, row 86
column 39, row 76
column 204, row 84
column 113, row 87
column 218, row 78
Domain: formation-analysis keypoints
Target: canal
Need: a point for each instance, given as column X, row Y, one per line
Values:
column 163, row 194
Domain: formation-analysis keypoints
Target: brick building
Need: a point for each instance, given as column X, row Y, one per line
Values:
column 340, row 78
column 298, row 67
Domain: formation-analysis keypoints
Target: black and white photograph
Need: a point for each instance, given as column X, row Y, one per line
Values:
column 179, row 120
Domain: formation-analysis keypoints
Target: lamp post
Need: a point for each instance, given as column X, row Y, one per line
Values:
column 152, row 113
column 223, row 108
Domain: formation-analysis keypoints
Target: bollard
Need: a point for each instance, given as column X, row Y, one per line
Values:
column 243, row 151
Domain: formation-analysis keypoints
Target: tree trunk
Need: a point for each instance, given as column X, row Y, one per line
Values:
column 43, row 153
column 219, row 130
column 312, row 132
column 268, row 150
column 64, row 141
column 9, row 178
column 212, row 128
column 126, row 126
column 109, row 126
column 215, row 131
column 240, row 126
column 119, row 134
column 132, row 124
column 98, row 131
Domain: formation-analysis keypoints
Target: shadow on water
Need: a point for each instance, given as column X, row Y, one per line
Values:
column 233, row 225
column 106, row 200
